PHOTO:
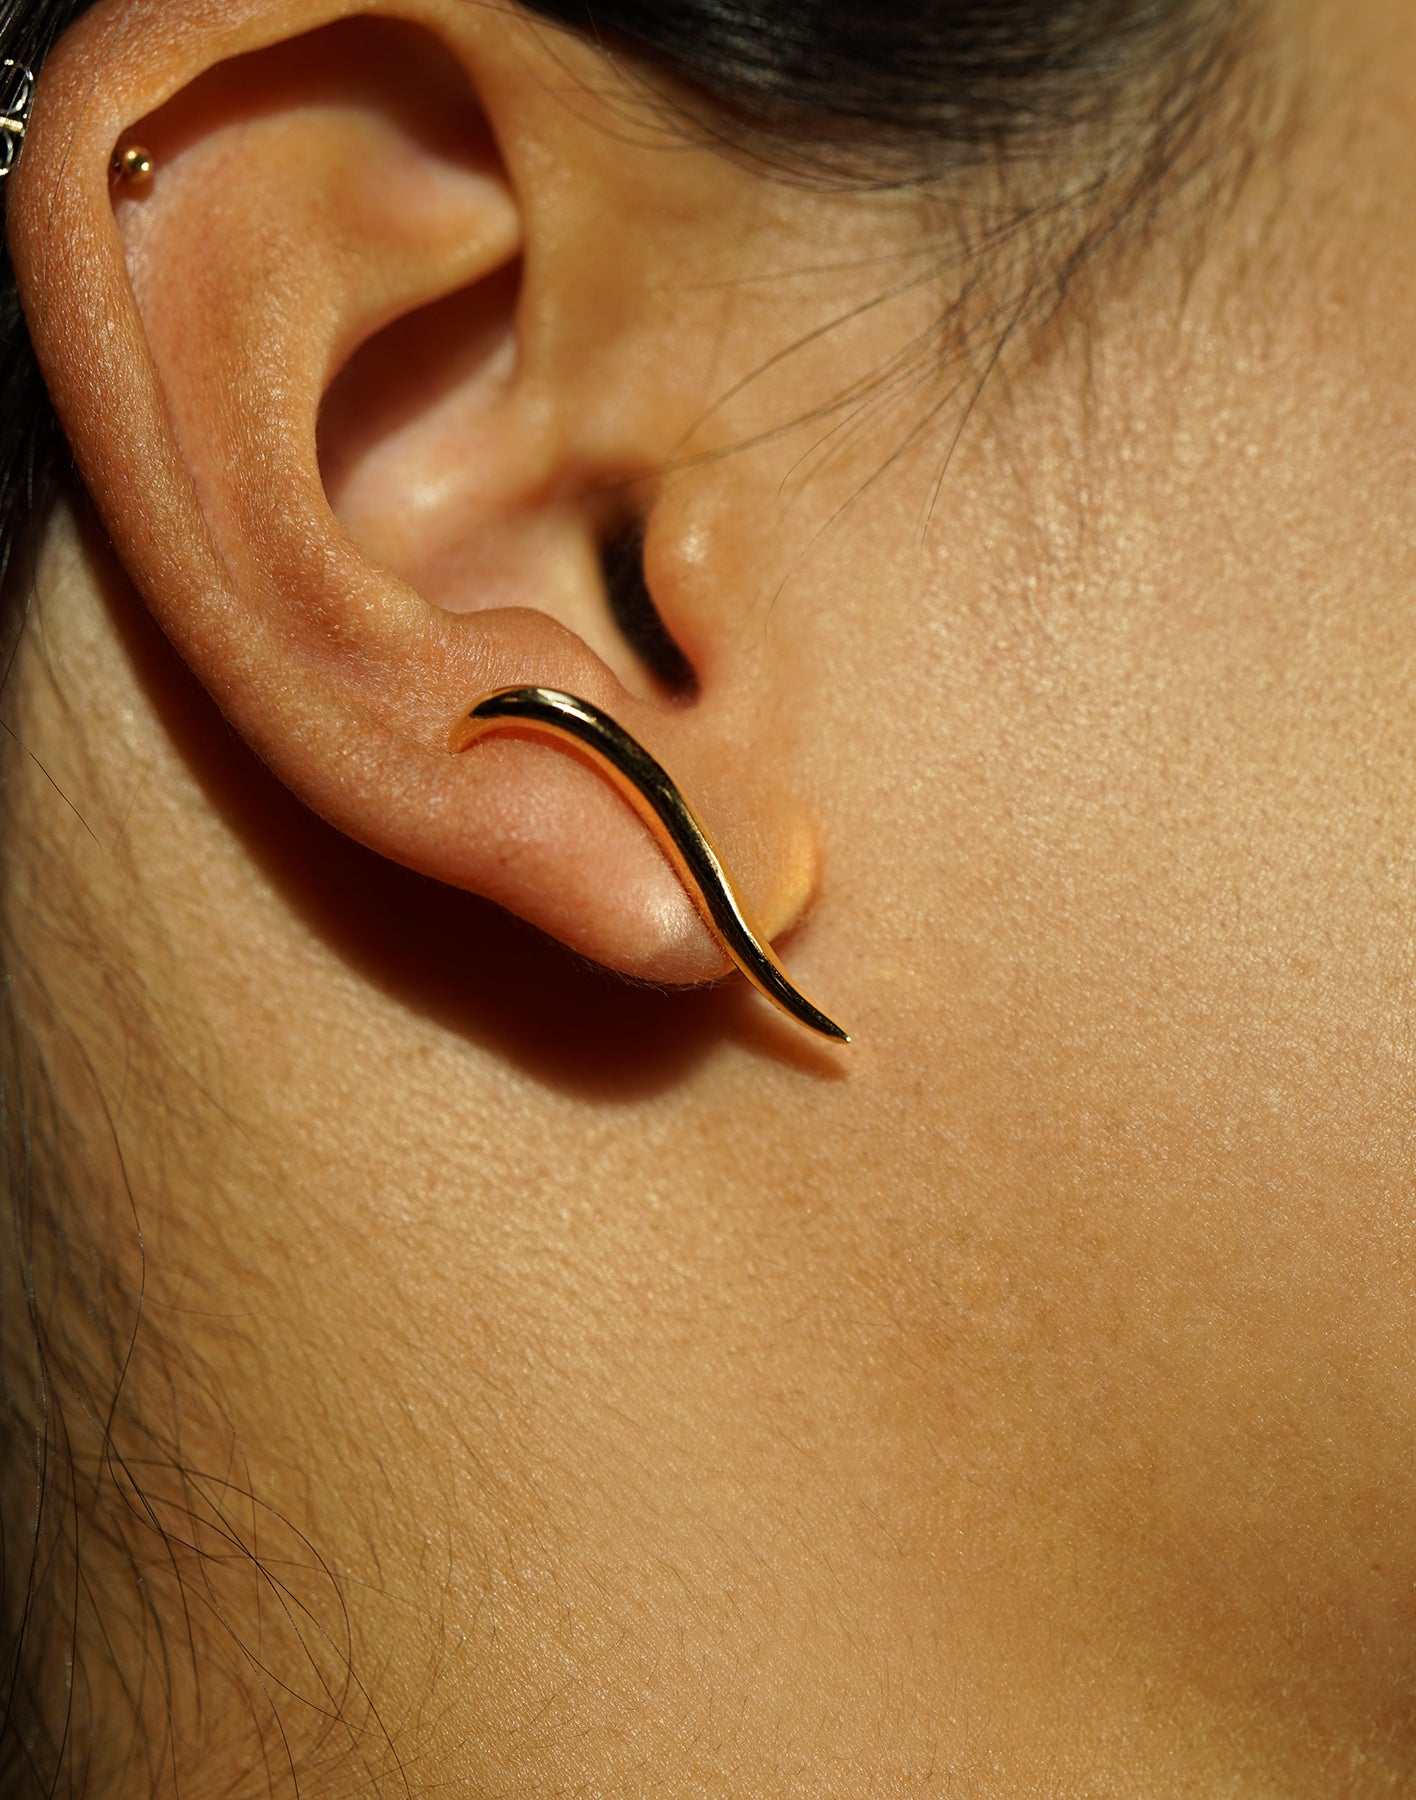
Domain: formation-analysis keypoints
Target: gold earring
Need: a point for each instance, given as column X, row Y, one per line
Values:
column 133, row 165
column 658, row 800
column 14, row 112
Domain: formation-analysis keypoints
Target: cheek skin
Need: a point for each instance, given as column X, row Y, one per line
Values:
column 1137, row 821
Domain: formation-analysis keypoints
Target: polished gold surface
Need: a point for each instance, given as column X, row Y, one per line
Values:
column 675, row 826
column 133, row 164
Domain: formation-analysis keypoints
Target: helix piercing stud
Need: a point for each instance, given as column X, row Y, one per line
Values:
column 132, row 165
column 663, row 807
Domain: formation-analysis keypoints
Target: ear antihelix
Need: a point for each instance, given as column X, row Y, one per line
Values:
column 669, row 815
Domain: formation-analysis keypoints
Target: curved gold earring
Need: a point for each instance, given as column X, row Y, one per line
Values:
column 658, row 800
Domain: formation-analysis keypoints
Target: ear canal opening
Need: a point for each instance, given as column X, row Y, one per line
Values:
column 639, row 621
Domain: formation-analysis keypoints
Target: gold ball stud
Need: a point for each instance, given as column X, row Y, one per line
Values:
column 133, row 164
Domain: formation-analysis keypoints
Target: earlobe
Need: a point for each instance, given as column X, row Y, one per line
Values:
column 310, row 192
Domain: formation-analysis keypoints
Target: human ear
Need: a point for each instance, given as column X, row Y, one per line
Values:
column 371, row 267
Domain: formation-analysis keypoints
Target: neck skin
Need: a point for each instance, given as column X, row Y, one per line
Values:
column 619, row 1394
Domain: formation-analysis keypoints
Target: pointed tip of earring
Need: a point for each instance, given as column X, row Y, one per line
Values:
column 796, row 1004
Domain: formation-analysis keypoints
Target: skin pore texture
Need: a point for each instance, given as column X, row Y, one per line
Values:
column 551, row 1386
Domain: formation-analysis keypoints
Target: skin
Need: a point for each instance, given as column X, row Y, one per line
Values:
column 635, row 1397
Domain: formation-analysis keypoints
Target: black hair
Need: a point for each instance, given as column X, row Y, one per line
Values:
column 894, row 91
column 931, row 79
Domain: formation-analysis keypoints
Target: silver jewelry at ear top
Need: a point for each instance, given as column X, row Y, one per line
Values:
column 665, row 809
column 133, row 164
column 14, row 111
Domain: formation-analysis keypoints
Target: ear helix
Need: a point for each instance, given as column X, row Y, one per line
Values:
column 665, row 809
